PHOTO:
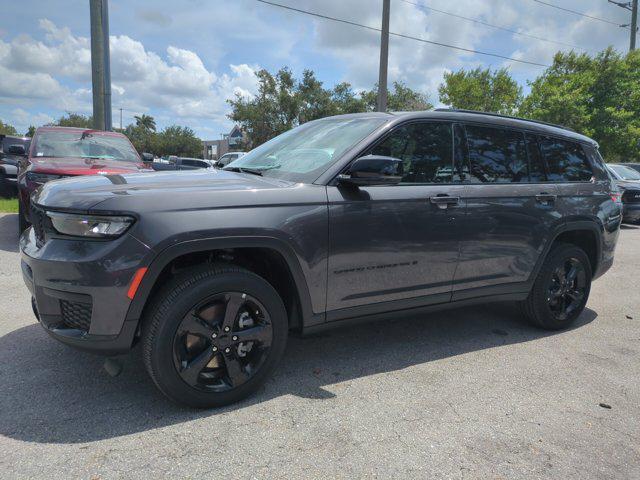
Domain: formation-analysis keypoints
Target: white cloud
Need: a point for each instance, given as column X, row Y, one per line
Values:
column 57, row 73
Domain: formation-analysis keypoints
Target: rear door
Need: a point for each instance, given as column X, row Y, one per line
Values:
column 510, row 210
column 398, row 242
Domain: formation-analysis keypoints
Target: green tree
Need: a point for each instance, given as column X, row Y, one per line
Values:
column 141, row 138
column 74, row 120
column 283, row 103
column 481, row 89
column 176, row 140
column 30, row 132
column 400, row 99
column 6, row 129
column 598, row 96
column 145, row 121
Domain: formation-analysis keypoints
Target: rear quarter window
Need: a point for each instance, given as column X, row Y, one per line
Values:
column 566, row 160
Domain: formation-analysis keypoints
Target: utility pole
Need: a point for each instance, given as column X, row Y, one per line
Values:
column 384, row 57
column 634, row 25
column 632, row 6
column 100, row 64
column 120, row 119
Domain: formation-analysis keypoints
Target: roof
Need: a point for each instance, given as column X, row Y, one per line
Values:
column 534, row 126
column 52, row 128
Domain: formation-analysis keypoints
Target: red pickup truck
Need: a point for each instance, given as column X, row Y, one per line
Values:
column 60, row 152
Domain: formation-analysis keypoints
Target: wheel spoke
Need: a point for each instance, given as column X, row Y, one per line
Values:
column 194, row 325
column 260, row 334
column 561, row 274
column 231, row 311
column 191, row 372
column 235, row 372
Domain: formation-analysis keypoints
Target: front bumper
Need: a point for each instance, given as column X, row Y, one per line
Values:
column 80, row 288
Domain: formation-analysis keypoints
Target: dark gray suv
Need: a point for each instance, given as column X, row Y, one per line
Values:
column 339, row 219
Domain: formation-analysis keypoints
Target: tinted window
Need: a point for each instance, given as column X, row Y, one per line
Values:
column 426, row 150
column 566, row 161
column 536, row 165
column 193, row 163
column 496, row 155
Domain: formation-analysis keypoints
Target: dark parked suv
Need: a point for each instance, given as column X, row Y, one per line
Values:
column 339, row 219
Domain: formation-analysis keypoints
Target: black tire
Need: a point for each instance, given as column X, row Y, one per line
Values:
column 22, row 221
column 164, row 337
column 544, row 306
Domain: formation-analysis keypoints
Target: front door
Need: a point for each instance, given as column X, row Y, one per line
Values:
column 398, row 243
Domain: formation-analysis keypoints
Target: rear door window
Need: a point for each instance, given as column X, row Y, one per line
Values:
column 565, row 160
column 496, row 155
column 426, row 150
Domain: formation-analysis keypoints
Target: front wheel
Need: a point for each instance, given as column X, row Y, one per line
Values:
column 561, row 289
column 213, row 335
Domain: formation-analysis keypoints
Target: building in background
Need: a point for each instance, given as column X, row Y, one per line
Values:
column 231, row 142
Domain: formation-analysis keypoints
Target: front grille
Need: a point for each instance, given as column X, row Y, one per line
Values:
column 76, row 315
column 631, row 196
column 38, row 219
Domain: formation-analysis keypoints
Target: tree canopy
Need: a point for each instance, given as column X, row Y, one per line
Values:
column 282, row 102
column 6, row 129
column 598, row 96
column 483, row 90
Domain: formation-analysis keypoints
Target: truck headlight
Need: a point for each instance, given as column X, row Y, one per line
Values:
column 95, row 226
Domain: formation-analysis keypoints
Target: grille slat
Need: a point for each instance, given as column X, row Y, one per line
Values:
column 76, row 315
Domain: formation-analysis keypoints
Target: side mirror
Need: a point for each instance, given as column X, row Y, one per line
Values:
column 374, row 170
column 16, row 150
column 147, row 157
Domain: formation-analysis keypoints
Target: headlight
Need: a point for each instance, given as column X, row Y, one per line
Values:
column 89, row 225
column 41, row 177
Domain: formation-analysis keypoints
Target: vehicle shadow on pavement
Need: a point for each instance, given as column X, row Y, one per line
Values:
column 9, row 232
column 53, row 394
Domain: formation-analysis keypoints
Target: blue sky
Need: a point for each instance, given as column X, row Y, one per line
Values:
column 181, row 60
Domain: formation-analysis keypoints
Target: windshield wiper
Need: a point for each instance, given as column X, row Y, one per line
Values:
column 244, row 170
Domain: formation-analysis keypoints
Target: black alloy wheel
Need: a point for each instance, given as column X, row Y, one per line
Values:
column 561, row 289
column 567, row 288
column 213, row 334
column 222, row 341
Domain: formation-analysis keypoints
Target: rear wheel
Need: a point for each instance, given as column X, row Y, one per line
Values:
column 213, row 336
column 561, row 290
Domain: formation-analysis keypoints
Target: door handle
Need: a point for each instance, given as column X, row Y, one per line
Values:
column 443, row 201
column 546, row 198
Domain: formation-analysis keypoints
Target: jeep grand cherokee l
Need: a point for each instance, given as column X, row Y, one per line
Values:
column 338, row 219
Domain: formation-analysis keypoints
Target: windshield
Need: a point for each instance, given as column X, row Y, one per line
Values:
column 84, row 145
column 625, row 173
column 304, row 153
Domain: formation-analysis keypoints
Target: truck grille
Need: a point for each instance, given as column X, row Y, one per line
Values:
column 631, row 196
column 76, row 315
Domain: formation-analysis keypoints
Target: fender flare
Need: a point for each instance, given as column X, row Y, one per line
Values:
column 161, row 260
column 570, row 226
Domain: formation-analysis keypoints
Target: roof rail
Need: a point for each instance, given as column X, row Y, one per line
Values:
column 492, row 114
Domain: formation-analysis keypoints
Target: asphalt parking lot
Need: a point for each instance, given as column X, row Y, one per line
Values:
column 469, row 393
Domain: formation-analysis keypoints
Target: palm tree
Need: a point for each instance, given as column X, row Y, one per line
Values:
column 145, row 121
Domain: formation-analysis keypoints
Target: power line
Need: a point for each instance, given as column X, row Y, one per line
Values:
column 401, row 35
column 577, row 13
column 486, row 24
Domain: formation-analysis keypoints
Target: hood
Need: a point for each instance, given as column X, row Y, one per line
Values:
column 83, row 166
column 169, row 190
